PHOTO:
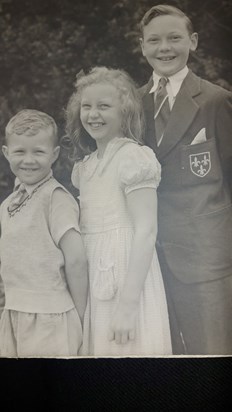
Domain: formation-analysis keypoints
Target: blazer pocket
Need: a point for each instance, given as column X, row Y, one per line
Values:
column 209, row 254
column 200, row 137
column 200, row 163
column 213, row 242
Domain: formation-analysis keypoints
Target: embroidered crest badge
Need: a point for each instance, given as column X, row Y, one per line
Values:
column 200, row 163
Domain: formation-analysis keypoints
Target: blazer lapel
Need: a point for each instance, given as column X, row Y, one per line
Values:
column 183, row 112
column 148, row 106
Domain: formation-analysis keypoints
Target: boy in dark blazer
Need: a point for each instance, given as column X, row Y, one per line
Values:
column 194, row 197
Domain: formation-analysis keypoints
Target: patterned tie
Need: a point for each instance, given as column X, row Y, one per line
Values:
column 162, row 109
column 19, row 196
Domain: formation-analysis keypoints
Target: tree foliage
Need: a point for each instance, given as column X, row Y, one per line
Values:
column 45, row 43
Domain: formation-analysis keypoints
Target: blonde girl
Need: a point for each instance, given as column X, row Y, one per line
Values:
column 117, row 178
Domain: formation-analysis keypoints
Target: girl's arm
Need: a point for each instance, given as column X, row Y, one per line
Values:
column 75, row 269
column 142, row 205
column 2, row 294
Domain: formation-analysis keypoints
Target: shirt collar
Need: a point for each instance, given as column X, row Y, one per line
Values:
column 30, row 188
column 175, row 80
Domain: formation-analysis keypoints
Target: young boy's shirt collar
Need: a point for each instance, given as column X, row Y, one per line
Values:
column 174, row 84
column 30, row 188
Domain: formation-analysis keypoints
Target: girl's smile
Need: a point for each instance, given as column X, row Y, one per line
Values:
column 100, row 113
column 95, row 125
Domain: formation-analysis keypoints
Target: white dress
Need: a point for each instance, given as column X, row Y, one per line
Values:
column 107, row 232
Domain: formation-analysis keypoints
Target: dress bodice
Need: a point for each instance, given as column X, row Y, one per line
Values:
column 104, row 183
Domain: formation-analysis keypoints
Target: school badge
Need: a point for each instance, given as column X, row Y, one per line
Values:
column 200, row 164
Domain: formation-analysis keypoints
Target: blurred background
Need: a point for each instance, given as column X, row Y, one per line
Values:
column 45, row 43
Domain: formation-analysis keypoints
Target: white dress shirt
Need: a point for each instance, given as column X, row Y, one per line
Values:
column 173, row 85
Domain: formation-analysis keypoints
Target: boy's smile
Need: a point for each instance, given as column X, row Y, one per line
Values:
column 166, row 44
column 31, row 157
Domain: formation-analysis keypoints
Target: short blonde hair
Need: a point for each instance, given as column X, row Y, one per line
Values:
column 30, row 122
column 131, row 109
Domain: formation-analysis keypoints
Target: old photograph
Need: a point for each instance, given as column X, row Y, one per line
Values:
column 115, row 178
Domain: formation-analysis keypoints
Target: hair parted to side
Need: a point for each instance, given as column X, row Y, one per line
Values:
column 82, row 143
column 164, row 10
column 30, row 122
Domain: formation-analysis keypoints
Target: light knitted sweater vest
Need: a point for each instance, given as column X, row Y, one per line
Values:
column 32, row 265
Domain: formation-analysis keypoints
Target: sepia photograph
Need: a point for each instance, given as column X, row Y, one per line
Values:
column 115, row 179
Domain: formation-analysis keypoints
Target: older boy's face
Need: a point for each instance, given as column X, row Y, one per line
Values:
column 31, row 157
column 166, row 44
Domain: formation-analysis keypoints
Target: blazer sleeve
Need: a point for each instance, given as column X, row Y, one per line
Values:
column 224, row 134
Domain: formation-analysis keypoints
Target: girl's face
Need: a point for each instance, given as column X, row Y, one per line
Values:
column 100, row 113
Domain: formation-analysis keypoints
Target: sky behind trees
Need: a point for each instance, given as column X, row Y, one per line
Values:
column 45, row 43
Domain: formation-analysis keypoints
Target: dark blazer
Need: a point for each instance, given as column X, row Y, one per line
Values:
column 194, row 196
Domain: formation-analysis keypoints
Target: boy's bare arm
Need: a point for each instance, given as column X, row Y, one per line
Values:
column 75, row 268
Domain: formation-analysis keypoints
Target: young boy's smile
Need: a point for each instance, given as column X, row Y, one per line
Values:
column 31, row 157
column 166, row 44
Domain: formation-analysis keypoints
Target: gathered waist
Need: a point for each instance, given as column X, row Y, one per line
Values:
column 88, row 229
column 100, row 219
column 41, row 301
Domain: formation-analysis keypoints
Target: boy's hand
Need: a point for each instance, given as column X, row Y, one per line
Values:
column 122, row 328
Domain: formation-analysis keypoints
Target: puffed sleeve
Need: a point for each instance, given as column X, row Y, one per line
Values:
column 75, row 175
column 139, row 168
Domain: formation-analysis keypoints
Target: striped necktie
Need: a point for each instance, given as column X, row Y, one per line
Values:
column 19, row 196
column 162, row 109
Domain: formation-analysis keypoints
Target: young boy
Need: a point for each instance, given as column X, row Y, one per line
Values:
column 43, row 265
column 189, row 126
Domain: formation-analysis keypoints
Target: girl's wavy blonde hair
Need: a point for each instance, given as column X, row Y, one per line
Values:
column 81, row 143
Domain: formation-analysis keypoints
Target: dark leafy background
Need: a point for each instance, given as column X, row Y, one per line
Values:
column 45, row 43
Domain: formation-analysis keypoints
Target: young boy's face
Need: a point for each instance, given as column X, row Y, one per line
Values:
column 31, row 157
column 166, row 44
